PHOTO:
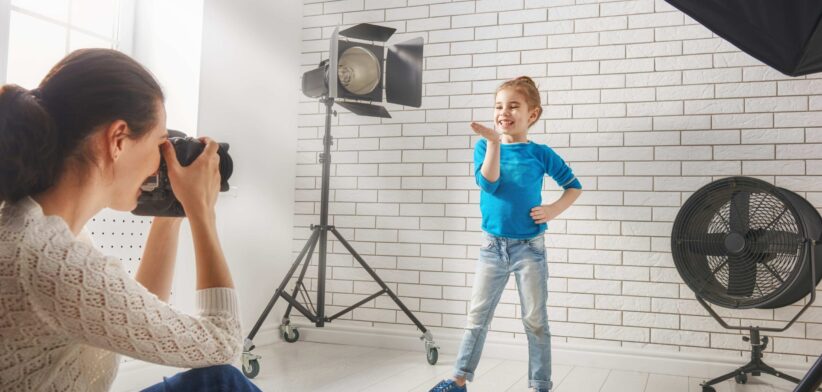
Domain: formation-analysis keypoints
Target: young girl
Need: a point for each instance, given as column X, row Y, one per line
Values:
column 509, row 170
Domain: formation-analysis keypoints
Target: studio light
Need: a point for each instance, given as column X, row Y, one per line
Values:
column 354, row 76
column 356, row 73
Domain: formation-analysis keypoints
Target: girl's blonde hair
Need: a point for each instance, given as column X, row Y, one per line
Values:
column 528, row 88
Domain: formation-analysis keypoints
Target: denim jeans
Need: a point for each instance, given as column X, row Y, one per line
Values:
column 220, row 378
column 499, row 257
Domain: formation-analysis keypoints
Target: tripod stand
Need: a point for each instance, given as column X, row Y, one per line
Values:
column 317, row 315
column 759, row 343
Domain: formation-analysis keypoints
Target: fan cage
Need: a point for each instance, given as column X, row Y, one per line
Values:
column 738, row 243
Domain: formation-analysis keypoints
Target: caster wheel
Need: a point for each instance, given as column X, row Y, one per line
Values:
column 432, row 356
column 295, row 336
column 741, row 378
column 253, row 368
column 708, row 389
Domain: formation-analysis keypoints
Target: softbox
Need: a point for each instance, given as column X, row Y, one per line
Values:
column 784, row 34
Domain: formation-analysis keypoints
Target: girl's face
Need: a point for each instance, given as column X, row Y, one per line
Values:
column 512, row 116
column 139, row 159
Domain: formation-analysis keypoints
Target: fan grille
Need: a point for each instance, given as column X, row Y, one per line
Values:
column 737, row 242
column 767, row 213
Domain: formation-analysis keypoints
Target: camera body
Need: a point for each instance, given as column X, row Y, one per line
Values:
column 157, row 198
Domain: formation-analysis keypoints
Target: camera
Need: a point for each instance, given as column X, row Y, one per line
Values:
column 157, row 198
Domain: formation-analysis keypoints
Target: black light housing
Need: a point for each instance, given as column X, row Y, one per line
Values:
column 357, row 71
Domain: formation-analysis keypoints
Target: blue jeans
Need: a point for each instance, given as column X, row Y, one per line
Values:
column 220, row 378
column 499, row 257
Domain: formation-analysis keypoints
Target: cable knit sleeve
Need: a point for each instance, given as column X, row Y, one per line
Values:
column 79, row 292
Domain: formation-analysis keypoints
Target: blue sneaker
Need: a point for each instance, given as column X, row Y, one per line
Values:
column 448, row 386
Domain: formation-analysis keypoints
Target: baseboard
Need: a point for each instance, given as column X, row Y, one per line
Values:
column 648, row 361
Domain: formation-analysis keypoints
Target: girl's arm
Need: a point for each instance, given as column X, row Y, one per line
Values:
column 569, row 196
column 156, row 270
column 490, row 164
column 544, row 213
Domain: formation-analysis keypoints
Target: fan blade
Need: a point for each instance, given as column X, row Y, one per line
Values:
column 711, row 244
column 741, row 276
column 776, row 241
column 739, row 211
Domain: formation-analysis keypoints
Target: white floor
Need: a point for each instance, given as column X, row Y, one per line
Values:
column 307, row 367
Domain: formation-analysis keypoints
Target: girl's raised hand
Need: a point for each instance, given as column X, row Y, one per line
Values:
column 490, row 134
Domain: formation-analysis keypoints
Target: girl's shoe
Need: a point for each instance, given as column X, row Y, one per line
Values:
column 448, row 386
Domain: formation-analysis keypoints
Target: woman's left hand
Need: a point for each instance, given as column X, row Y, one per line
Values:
column 545, row 213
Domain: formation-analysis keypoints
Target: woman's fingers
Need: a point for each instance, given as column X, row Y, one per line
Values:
column 169, row 155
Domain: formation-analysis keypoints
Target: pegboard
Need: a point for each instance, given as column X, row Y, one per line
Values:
column 120, row 234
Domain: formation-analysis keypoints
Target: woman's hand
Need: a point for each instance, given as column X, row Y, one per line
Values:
column 489, row 134
column 545, row 213
column 198, row 184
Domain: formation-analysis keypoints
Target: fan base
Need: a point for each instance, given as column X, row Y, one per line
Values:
column 755, row 367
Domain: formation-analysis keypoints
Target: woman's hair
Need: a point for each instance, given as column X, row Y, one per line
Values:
column 528, row 88
column 42, row 129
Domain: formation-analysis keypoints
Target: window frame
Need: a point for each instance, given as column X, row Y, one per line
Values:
column 122, row 39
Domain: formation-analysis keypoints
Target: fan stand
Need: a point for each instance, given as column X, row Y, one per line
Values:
column 759, row 343
column 755, row 367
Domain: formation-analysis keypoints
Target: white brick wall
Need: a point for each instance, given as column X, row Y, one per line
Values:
column 644, row 103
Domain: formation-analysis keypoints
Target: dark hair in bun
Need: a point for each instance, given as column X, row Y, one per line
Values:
column 527, row 87
column 41, row 129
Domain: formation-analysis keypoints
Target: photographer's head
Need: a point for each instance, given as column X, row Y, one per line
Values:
column 96, row 120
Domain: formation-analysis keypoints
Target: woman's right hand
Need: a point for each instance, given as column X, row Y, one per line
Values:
column 197, row 185
column 490, row 134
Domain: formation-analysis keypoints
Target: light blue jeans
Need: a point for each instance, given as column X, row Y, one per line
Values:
column 499, row 257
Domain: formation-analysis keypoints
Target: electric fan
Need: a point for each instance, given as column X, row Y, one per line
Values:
column 743, row 243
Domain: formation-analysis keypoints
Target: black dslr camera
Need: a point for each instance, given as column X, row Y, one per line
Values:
column 157, row 198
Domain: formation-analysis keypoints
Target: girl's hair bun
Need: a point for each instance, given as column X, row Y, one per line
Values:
column 526, row 79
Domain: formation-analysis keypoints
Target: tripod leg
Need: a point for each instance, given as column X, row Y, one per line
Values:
column 311, row 241
column 300, row 280
column 379, row 281
column 774, row 372
column 812, row 379
column 431, row 348
column 721, row 378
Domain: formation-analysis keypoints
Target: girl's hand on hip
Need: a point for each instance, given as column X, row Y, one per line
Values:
column 543, row 214
column 490, row 134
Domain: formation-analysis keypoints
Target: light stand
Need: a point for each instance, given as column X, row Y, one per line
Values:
column 317, row 86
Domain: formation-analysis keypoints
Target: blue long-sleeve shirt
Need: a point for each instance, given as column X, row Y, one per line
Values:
column 507, row 202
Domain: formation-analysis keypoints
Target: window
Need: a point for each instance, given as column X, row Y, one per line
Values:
column 41, row 32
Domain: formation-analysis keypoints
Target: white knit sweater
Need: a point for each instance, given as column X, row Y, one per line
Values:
column 66, row 311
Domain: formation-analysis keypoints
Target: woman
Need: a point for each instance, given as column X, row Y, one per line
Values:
column 84, row 140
